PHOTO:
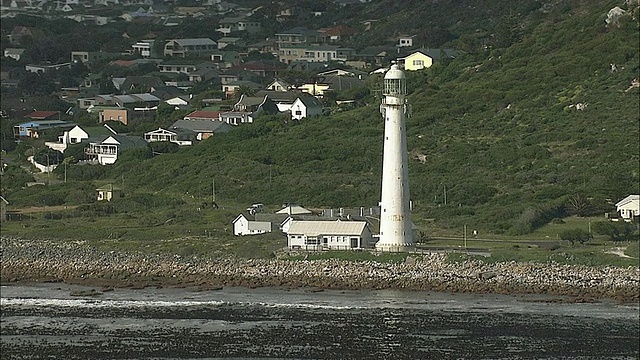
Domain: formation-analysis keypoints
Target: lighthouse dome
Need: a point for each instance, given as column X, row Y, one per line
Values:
column 394, row 73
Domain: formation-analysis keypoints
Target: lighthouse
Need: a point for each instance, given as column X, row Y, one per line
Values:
column 395, row 216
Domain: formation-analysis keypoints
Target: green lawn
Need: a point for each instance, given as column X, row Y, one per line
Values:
column 185, row 231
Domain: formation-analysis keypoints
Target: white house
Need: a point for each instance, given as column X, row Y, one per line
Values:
column 278, row 85
column 106, row 149
column 77, row 135
column 181, row 137
column 245, row 224
column 629, row 207
column 329, row 235
column 305, row 107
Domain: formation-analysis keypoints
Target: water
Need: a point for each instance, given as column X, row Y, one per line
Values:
column 44, row 322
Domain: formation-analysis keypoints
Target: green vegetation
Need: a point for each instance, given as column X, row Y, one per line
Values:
column 526, row 136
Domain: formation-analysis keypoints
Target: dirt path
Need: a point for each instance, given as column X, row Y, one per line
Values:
column 38, row 209
column 619, row 251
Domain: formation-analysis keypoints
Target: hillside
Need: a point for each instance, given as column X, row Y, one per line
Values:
column 496, row 131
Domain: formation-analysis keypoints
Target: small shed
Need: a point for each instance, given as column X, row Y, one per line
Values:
column 108, row 192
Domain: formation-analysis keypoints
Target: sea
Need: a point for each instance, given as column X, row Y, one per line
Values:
column 49, row 321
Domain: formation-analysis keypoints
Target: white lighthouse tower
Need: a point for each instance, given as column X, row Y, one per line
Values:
column 395, row 216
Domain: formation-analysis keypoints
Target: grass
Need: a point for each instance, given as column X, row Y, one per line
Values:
column 208, row 233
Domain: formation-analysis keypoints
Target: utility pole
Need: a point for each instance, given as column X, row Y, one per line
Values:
column 445, row 194
column 465, row 237
column 213, row 192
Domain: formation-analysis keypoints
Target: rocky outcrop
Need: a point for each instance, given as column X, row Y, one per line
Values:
column 42, row 260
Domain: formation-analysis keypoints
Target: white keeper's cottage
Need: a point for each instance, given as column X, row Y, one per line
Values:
column 329, row 235
column 629, row 207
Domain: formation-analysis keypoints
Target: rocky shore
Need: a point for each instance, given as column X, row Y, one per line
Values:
column 75, row 262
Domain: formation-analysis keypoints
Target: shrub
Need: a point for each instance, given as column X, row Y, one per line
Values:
column 575, row 235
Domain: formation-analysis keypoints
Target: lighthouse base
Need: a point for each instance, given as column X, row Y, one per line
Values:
column 394, row 247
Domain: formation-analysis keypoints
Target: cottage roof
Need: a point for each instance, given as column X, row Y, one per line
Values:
column 95, row 131
column 202, row 126
column 627, row 200
column 279, row 96
column 42, row 115
column 310, row 101
column 197, row 41
column 146, row 97
column 250, row 100
column 203, row 114
column 128, row 141
column 13, row 51
column 342, row 82
column 338, row 227
column 108, row 187
column 294, row 210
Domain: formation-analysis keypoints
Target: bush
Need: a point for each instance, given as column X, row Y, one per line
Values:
column 615, row 230
column 575, row 235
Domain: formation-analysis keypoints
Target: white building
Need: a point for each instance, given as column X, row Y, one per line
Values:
column 144, row 48
column 396, row 232
column 629, row 207
column 305, row 106
column 244, row 225
column 328, row 235
column 77, row 135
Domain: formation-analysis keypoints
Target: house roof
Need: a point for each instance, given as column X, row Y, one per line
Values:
column 294, row 210
column 197, row 41
column 228, row 39
column 628, row 200
column 310, row 101
column 202, row 126
column 203, row 114
column 280, row 96
column 338, row 227
column 94, row 131
column 41, row 115
column 250, row 100
column 108, row 187
column 435, row 54
column 128, row 141
column 342, row 82
column 13, row 51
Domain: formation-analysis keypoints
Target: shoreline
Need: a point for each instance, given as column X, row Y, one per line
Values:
column 38, row 261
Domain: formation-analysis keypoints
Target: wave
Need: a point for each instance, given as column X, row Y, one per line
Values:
column 97, row 303
column 124, row 304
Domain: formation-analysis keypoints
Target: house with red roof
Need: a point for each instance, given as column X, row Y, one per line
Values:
column 44, row 115
column 259, row 68
column 203, row 115
column 338, row 33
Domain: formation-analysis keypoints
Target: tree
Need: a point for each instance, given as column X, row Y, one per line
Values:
column 246, row 90
column 575, row 235
column 616, row 230
column 579, row 205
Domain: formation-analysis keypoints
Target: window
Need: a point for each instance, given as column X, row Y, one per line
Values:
column 418, row 62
